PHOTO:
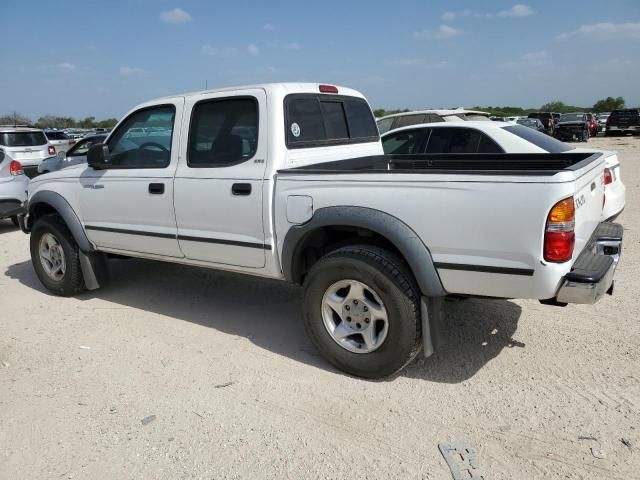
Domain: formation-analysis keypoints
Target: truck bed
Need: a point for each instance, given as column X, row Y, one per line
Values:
column 480, row 164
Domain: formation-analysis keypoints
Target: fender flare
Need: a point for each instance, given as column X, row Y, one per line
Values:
column 393, row 229
column 68, row 214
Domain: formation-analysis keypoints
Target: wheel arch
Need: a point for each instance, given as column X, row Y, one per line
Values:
column 333, row 227
column 48, row 202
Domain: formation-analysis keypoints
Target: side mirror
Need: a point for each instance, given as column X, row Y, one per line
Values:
column 62, row 155
column 98, row 156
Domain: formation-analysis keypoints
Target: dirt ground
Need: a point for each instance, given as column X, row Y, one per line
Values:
column 173, row 372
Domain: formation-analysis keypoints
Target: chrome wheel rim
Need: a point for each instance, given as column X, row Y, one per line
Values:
column 52, row 257
column 354, row 316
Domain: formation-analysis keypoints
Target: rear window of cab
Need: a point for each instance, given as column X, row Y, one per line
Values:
column 319, row 120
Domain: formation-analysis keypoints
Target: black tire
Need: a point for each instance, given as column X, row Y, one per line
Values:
column 72, row 282
column 395, row 286
column 15, row 222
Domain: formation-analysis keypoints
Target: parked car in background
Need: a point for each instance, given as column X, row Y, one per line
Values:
column 534, row 123
column 13, row 187
column 573, row 126
column 77, row 154
column 593, row 125
column 29, row 146
column 60, row 140
column 556, row 117
column 601, row 118
column 496, row 137
column 547, row 120
column 622, row 121
column 398, row 120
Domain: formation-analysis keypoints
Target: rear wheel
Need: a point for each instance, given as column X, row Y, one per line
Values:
column 55, row 256
column 362, row 311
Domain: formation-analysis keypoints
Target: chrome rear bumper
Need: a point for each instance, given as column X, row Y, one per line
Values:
column 591, row 275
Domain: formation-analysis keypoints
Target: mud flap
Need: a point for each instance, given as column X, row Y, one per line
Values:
column 433, row 324
column 95, row 270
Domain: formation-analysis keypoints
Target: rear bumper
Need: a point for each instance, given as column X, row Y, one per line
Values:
column 628, row 128
column 11, row 207
column 592, row 273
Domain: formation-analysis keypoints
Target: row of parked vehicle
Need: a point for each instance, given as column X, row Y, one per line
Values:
column 293, row 182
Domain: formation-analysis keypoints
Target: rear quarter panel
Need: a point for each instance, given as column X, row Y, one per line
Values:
column 478, row 220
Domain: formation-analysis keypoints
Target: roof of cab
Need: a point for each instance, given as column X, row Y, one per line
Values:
column 271, row 88
column 438, row 111
column 484, row 126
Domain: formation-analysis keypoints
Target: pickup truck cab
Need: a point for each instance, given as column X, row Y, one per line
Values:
column 289, row 181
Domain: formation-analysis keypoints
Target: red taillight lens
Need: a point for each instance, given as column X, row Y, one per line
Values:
column 328, row 89
column 549, row 122
column 558, row 246
column 608, row 177
column 52, row 150
column 15, row 168
column 559, row 235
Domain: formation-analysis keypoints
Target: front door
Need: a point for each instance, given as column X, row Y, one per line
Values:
column 129, row 205
column 219, row 182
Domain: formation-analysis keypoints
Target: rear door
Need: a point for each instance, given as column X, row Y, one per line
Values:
column 219, row 181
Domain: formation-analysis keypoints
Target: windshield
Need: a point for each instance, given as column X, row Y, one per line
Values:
column 572, row 117
column 22, row 139
column 545, row 142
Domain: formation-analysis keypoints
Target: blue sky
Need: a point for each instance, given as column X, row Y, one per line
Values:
column 100, row 58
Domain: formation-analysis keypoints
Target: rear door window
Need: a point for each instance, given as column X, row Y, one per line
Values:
column 22, row 139
column 461, row 140
column 406, row 142
column 56, row 136
column 322, row 120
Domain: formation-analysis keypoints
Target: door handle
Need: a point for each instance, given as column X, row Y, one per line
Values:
column 241, row 189
column 156, row 188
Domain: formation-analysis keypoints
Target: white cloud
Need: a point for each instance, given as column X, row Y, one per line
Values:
column 416, row 62
column 269, row 27
column 131, row 71
column 443, row 31
column 536, row 59
column 221, row 52
column 605, row 31
column 518, row 10
column 253, row 50
column 292, row 46
column 177, row 15
column 448, row 16
column 66, row 67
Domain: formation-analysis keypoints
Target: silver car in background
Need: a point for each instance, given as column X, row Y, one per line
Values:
column 60, row 140
column 29, row 146
column 76, row 155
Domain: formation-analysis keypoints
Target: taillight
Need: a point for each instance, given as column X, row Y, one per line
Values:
column 549, row 122
column 608, row 177
column 328, row 89
column 15, row 168
column 52, row 150
column 559, row 235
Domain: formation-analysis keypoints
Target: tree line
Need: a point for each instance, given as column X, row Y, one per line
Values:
column 604, row 105
column 53, row 121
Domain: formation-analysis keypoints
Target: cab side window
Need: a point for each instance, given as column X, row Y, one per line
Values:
column 144, row 139
column 223, row 132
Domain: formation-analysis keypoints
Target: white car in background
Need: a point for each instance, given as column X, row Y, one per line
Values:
column 404, row 119
column 499, row 137
column 13, row 188
column 26, row 145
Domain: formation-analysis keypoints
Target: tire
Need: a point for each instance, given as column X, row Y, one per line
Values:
column 15, row 222
column 70, row 281
column 390, row 282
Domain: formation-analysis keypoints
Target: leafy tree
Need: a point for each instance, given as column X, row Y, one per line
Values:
column 608, row 104
column 14, row 118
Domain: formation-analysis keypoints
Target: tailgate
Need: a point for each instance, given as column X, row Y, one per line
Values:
column 589, row 198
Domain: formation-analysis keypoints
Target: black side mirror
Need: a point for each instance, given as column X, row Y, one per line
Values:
column 98, row 156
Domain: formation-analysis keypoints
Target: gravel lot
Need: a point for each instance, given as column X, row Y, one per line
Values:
column 236, row 390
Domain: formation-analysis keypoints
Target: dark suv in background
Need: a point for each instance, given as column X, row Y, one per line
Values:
column 547, row 119
column 625, row 120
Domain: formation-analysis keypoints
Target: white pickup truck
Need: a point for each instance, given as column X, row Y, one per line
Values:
column 289, row 181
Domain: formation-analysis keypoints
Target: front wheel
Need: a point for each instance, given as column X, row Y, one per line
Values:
column 362, row 311
column 55, row 256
